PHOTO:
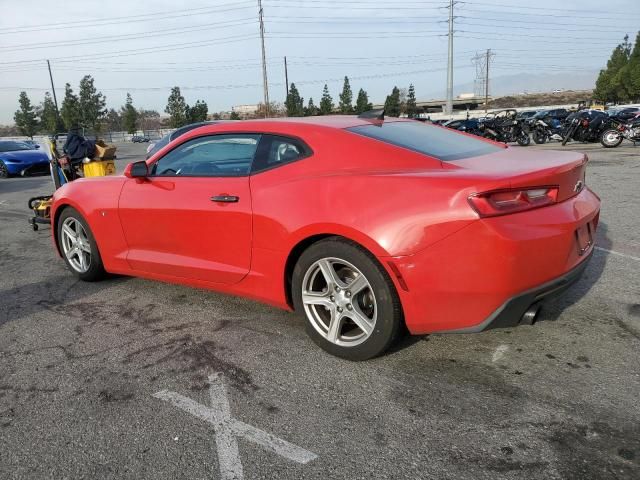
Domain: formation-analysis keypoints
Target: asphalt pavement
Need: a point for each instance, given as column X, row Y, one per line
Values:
column 129, row 378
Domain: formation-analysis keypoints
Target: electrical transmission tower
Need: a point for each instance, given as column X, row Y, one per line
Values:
column 482, row 62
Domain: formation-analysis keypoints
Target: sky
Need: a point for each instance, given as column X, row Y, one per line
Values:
column 211, row 48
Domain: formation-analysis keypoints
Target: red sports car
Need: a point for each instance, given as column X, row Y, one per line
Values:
column 363, row 226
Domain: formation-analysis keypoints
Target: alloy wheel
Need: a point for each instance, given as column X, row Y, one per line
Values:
column 75, row 245
column 339, row 302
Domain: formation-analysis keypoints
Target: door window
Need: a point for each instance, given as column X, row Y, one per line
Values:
column 210, row 156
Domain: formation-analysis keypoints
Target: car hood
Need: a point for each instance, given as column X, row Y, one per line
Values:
column 25, row 156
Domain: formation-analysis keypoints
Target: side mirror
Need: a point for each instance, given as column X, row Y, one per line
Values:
column 137, row 170
column 37, row 146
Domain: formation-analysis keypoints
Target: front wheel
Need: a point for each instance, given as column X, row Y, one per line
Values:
column 539, row 137
column 350, row 306
column 78, row 246
column 611, row 138
column 523, row 139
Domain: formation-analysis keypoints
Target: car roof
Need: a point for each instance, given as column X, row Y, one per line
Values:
column 334, row 121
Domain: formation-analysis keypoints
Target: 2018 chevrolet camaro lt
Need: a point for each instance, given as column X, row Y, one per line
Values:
column 364, row 226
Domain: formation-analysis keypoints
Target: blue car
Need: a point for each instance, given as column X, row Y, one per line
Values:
column 20, row 158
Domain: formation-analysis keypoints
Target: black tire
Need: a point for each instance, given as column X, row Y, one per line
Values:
column 96, row 269
column 388, row 308
column 523, row 139
column 607, row 144
column 539, row 137
column 571, row 130
column 4, row 172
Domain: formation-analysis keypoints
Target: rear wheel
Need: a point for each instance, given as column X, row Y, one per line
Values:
column 350, row 306
column 78, row 246
column 611, row 138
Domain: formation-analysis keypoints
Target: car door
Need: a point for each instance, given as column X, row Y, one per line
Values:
column 191, row 217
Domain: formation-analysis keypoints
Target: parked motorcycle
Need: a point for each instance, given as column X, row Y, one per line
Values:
column 613, row 136
column 584, row 126
column 503, row 126
column 545, row 128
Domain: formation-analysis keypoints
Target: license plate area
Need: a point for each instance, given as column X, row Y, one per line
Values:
column 584, row 238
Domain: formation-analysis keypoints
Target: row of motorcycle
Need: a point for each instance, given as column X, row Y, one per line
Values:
column 610, row 128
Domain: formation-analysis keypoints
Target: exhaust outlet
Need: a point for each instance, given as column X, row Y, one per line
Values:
column 531, row 315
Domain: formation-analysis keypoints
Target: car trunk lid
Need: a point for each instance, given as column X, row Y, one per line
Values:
column 523, row 167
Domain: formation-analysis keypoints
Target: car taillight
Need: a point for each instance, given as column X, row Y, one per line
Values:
column 503, row 202
column 585, row 123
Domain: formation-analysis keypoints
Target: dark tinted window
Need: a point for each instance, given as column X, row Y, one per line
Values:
column 211, row 156
column 276, row 150
column 442, row 143
column 11, row 146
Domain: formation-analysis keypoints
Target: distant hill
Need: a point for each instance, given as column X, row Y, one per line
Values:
column 529, row 82
column 541, row 99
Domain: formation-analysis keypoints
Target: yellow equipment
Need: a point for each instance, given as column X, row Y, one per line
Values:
column 99, row 169
column 41, row 206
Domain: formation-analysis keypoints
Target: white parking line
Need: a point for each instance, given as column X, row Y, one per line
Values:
column 499, row 353
column 227, row 428
column 637, row 259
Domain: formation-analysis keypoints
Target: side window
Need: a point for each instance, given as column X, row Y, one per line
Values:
column 276, row 150
column 211, row 156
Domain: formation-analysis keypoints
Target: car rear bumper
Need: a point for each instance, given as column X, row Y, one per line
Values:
column 490, row 272
column 515, row 310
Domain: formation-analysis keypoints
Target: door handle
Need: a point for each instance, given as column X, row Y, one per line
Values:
column 225, row 198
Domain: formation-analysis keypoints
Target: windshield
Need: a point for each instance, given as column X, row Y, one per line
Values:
column 442, row 143
column 14, row 146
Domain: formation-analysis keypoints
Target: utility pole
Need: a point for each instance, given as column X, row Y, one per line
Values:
column 489, row 54
column 449, row 107
column 264, row 62
column 53, row 90
column 286, row 78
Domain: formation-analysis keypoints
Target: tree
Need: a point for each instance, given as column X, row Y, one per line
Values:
column 326, row 102
column 149, row 119
column 92, row 104
column 275, row 110
column 70, row 111
column 216, row 116
column 410, row 107
column 630, row 73
column 129, row 116
column 294, row 102
column 114, row 120
column 25, row 117
column 48, row 115
column 362, row 103
column 176, row 108
column 346, row 98
column 392, row 104
column 197, row 113
column 609, row 86
column 234, row 116
column 310, row 110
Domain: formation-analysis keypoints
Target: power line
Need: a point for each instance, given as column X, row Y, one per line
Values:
column 171, row 14
column 133, row 36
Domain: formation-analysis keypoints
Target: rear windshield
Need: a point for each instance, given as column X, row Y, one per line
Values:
column 441, row 143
